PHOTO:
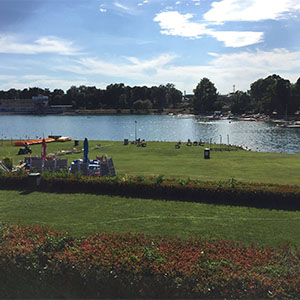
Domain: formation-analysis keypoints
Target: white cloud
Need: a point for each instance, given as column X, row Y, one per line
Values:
column 127, row 8
column 119, row 5
column 238, row 38
column 196, row 2
column 20, row 82
column 103, row 10
column 249, row 10
column 9, row 44
column 132, row 68
column 174, row 23
column 225, row 70
column 142, row 3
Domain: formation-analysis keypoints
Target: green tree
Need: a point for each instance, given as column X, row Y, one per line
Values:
column 142, row 104
column 158, row 95
column 113, row 93
column 295, row 95
column 272, row 94
column 205, row 96
column 174, row 96
column 240, row 102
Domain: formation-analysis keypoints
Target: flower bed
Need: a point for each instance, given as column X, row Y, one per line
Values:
column 39, row 262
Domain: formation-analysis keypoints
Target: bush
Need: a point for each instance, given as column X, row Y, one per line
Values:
column 39, row 262
column 231, row 192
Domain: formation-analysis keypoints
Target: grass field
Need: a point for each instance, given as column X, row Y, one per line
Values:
column 161, row 158
column 83, row 214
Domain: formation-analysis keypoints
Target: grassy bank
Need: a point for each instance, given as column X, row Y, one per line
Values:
column 162, row 158
column 83, row 214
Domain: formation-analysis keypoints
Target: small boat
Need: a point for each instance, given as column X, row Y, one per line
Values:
column 288, row 125
column 64, row 139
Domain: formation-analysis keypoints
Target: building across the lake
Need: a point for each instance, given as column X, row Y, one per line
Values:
column 37, row 104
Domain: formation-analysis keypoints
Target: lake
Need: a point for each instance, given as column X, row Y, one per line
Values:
column 257, row 136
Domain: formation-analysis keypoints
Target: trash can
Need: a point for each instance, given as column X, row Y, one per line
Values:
column 34, row 180
column 207, row 153
column 125, row 142
column 76, row 143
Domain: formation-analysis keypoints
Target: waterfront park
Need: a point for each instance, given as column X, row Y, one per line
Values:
column 82, row 214
column 163, row 159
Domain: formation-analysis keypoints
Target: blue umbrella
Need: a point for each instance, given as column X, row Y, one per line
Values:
column 85, row 150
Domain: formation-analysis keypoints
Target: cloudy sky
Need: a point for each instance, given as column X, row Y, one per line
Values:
column 60, row 43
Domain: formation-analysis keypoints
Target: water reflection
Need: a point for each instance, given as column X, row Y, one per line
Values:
column 258, row 136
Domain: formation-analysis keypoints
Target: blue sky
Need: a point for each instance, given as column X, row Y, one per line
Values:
column 60, row 43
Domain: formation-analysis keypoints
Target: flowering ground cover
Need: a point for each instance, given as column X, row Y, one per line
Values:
column 45, row 263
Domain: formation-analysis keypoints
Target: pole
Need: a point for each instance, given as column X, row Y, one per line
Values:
column 135, row 135
column 228, row 140
column 220, row 141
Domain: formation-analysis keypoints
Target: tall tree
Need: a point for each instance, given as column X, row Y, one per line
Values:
column 240, row 102
column 272, row 94
column 205, row 96
column 174, row 96
column 113, row 93
column 158, row 96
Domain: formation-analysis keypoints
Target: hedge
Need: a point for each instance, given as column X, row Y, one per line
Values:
column 38, row 262
column 229, row 193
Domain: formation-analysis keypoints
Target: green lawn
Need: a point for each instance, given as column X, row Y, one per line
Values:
column 161, row 158
column 83, row 214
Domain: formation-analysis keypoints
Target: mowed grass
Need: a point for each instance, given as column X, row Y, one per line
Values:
column 82, row 214
column 161, row 158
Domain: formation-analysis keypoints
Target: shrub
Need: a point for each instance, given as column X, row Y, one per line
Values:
column 229, row 192
column 39, row 262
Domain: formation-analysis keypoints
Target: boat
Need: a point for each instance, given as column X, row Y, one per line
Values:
column 288, row 125
column 64, row 139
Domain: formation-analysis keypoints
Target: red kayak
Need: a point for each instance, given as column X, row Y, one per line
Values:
column 32, row 142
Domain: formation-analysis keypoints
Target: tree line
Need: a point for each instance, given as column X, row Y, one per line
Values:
column 268, row 95
column 115, row 96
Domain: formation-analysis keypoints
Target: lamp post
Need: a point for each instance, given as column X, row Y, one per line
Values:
column 228, row 140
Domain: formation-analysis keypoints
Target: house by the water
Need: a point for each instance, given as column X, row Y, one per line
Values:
column 35, row 105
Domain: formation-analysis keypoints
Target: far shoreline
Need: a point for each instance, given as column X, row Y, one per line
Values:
column 168, row 111
column 174, row 111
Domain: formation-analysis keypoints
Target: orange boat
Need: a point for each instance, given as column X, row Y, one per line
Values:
column 33, row 142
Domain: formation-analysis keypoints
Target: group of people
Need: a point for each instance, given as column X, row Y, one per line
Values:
column 141, row 143
column 190, row 143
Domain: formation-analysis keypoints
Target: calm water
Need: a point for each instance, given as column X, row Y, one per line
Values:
column 258, row 136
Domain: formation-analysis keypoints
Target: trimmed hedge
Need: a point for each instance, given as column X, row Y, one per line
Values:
column 39, row 262
column 228, row 193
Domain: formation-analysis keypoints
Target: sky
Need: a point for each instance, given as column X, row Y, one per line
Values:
column 61, row 43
